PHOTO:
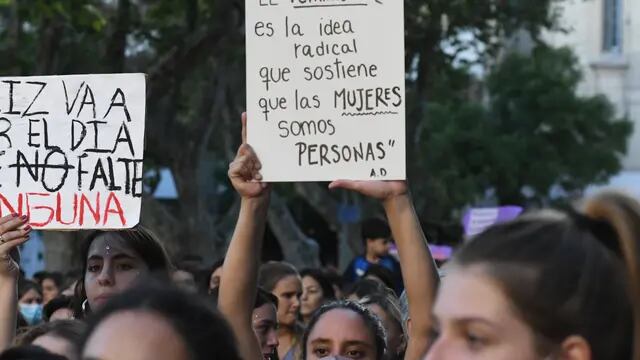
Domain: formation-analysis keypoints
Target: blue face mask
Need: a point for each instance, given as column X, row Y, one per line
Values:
column 32, row 313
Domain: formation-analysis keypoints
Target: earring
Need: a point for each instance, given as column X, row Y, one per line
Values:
column 85, row 306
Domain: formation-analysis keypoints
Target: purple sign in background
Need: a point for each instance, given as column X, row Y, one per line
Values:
column 477, row 220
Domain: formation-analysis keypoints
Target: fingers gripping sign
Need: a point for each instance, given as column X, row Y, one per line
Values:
column 377, row 189
column 13, row 233
column 244, row 170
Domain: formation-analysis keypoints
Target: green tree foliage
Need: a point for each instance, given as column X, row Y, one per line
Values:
column 533, row 136
column 546, row 135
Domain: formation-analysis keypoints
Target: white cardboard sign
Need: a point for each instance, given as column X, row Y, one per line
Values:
column 71, row 150
column 325, row 88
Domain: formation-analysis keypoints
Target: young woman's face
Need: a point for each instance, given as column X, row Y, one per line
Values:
column 265, row 326
column 288, row 290
column 343, row 334
column 135, row 335
column 112, row 267
column 474, row 320
column 49, row 290
column 312, row 296
column 31, row 297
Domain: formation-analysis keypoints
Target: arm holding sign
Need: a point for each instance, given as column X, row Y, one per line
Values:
column 11, row 236
column 418, row 268
column 240, row 276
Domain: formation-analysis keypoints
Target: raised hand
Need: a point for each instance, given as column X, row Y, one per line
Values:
column 419, row 273
column 244, row 170
column 11, row 236
column 378, row 189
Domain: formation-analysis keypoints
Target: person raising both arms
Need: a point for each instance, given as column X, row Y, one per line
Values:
column 342, row 329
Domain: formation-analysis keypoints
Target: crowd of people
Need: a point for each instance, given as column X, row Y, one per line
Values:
column 552, row 284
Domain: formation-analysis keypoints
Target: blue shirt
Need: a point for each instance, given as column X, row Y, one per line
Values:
column 359, row 266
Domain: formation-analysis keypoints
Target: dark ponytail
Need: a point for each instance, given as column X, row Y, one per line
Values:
column 622, row 213
column 569, row 273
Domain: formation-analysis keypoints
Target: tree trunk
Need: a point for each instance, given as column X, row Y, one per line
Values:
column 115, row 50
column 298, row 249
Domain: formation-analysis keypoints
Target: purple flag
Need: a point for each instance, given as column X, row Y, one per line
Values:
column 477, row 220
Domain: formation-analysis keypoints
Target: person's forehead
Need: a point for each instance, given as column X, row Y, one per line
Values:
column 341, row 325
column 289, row 282
column 31, row 293
column 309, row 281
column 265, row 312
column 470, row 293
column 110, row 244
column 125, row 334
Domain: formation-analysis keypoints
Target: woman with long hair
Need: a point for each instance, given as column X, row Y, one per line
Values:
column 549, row 285
column 112, row 261
column 552, row 284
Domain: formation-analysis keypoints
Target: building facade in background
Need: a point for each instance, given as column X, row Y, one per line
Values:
column 605, row 35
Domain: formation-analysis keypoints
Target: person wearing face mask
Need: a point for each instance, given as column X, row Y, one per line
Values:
column 14, row 231
column 30, row 301
column 113, row 261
